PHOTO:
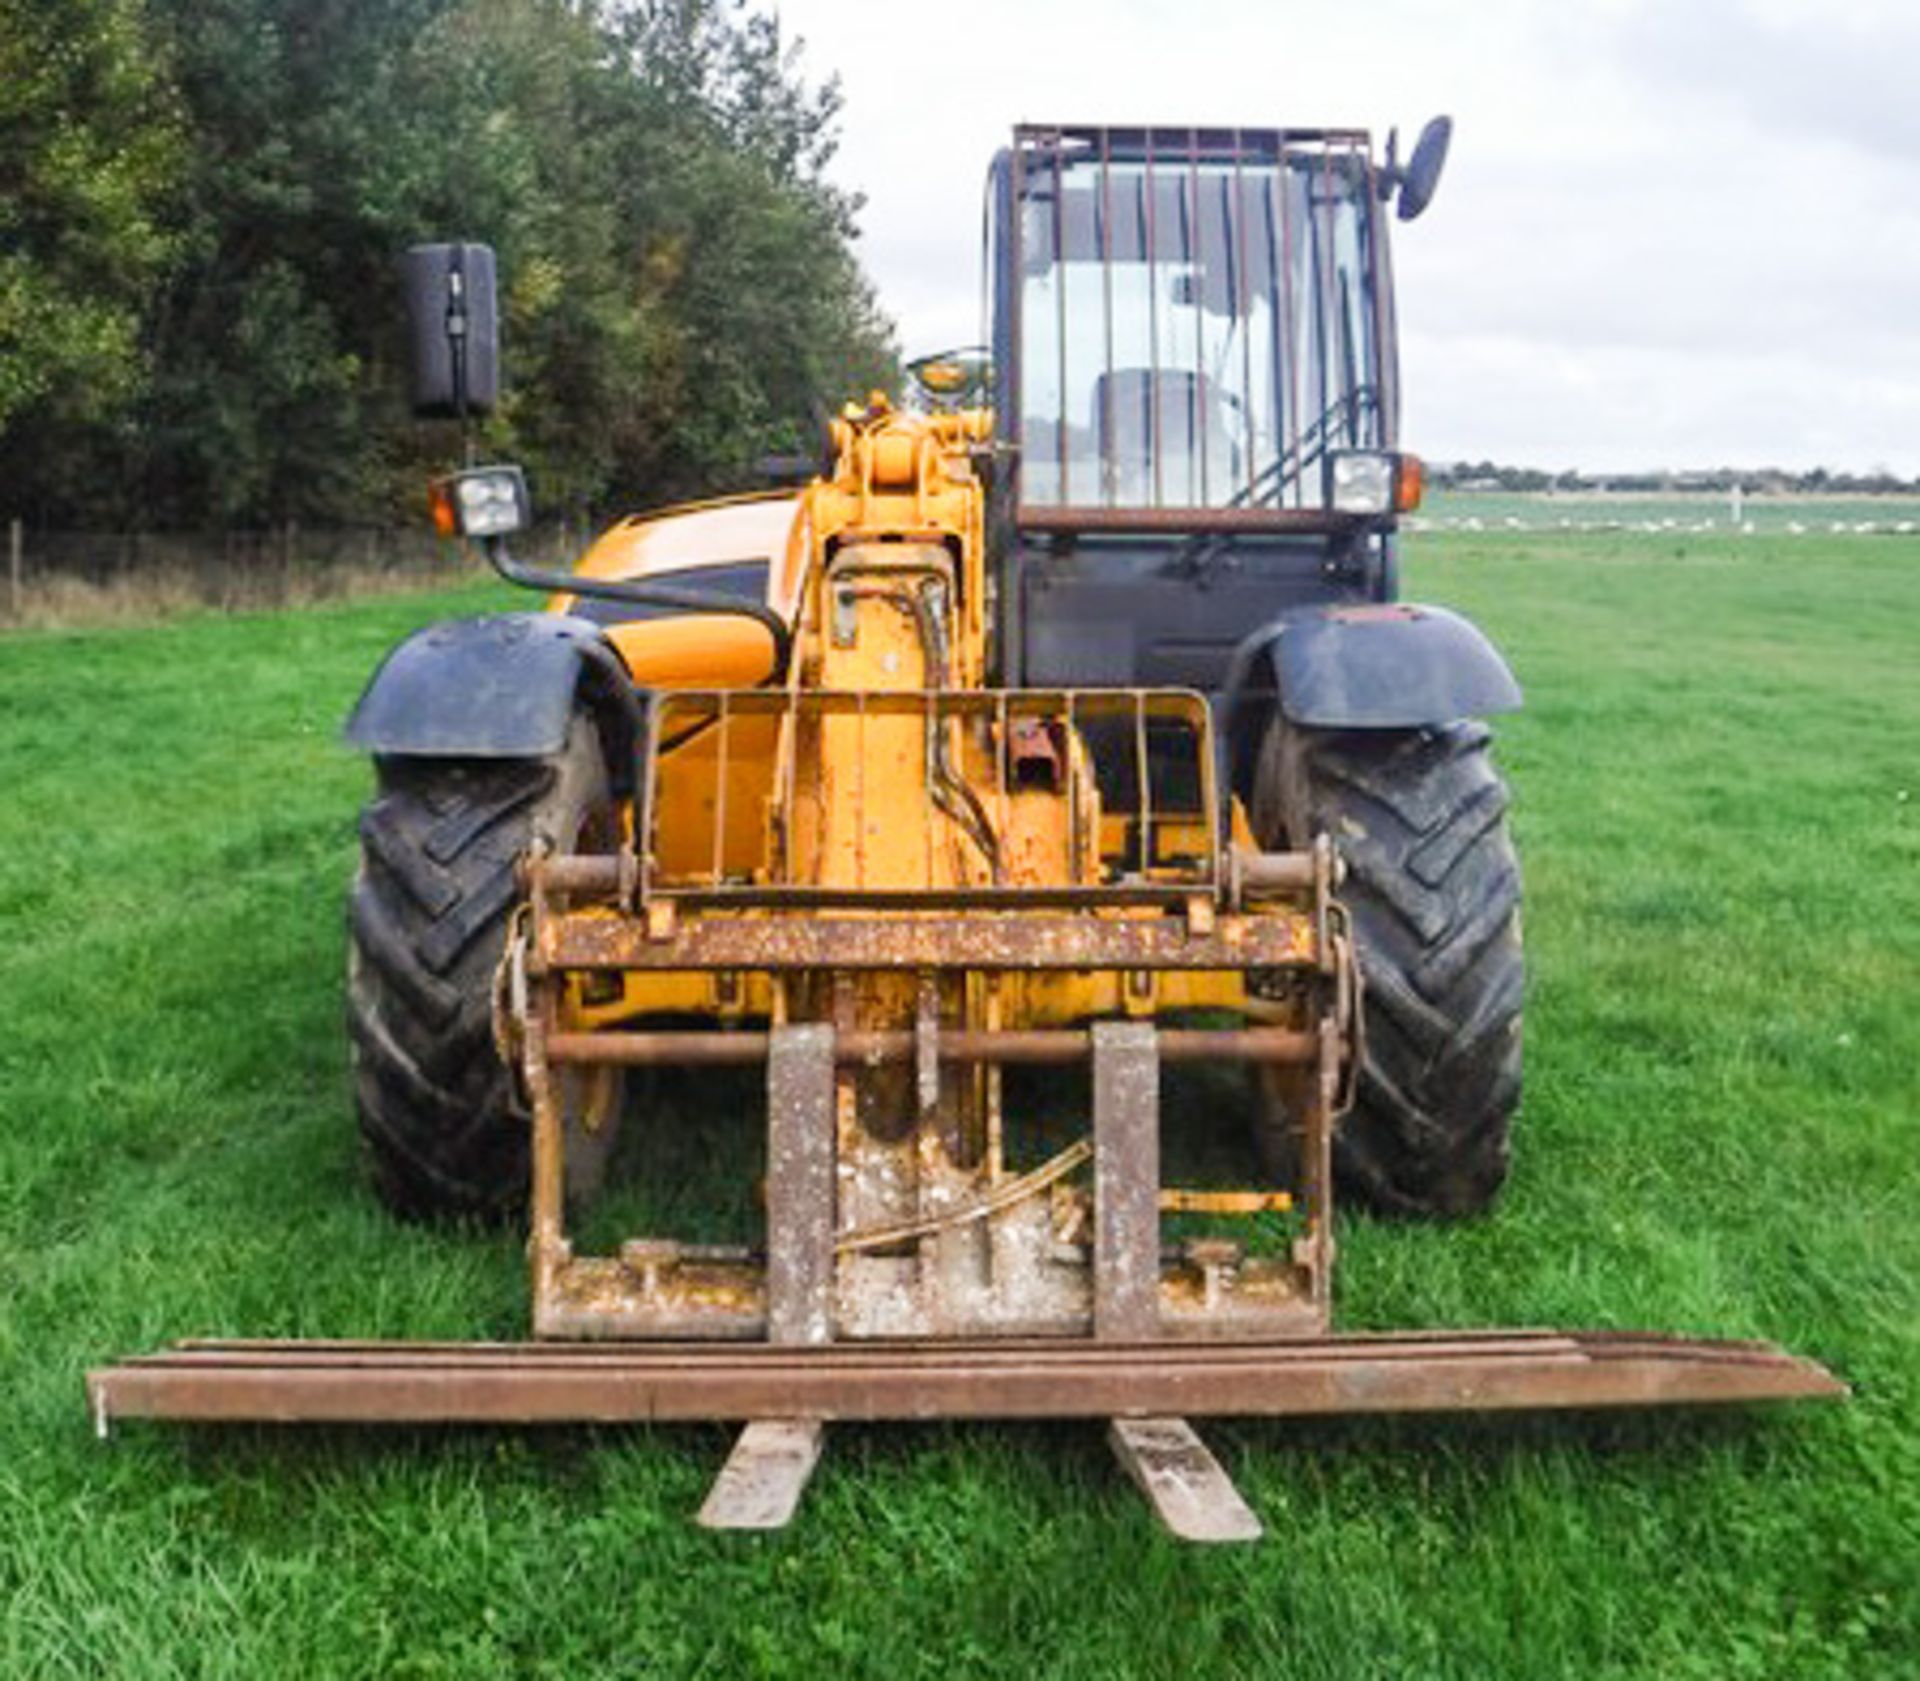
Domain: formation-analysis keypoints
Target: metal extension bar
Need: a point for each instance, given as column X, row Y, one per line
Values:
column 546, row 1383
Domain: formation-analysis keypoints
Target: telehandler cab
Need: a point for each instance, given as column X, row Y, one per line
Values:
column 1070, row 716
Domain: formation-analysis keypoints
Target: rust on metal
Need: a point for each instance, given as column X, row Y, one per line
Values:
column 1189, row 1491
column 760, row 1485
column 1048, row 518
column 530, row 1383
column 995, row 1201
column 873, row 1046
column 1271, row 872
column 657, row 1289
column 800, row 1185
column 983, row 942
column 1126, row 1181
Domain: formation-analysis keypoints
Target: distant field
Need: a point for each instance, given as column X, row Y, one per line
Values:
column 1759, row 515
column 1719, row 809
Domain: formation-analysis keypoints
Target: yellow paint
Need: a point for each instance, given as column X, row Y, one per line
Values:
column 729, row 530
column 695, row 650
column 880, row 567
column 701, row 650
column 1026, row 1000
column 690, row 796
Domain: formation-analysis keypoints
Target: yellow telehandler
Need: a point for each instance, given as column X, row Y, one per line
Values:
column 1069, row 716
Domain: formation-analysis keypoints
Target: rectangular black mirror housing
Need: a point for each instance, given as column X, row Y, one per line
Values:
column 453, row 330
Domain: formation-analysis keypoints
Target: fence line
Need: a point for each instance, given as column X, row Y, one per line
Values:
column 55, row 575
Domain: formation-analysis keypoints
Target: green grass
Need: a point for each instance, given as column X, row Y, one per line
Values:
column 1719, row 808
column 1791, row 515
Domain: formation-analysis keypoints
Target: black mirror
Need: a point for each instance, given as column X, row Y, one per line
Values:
column 453, row 330
column 1422, row 174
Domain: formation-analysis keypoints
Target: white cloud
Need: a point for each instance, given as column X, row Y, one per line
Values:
column 1669, row 234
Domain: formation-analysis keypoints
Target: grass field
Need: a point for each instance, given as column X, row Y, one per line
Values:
column 1688, row 512
column 1718, row 780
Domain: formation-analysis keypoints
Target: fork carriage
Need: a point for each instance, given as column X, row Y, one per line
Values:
column 885, row 951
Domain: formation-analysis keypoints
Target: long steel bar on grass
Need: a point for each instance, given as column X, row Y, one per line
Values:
column 532, row 1383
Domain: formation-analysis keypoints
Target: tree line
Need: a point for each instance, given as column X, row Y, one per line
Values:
column 202, row 202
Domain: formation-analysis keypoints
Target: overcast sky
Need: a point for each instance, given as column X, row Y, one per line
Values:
column 1671, row 232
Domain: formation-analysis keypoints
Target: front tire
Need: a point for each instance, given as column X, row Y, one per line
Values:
column 1433, row 887
column 442, row 1117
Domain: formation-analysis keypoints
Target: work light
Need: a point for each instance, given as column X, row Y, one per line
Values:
column 1360, row 481
column 481, row 502
column 1370, row 481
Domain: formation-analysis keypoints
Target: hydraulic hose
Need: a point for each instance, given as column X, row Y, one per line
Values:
column 672, row 597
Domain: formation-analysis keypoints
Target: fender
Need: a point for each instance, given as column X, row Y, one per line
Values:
column 493, row 688
column 1381, row 667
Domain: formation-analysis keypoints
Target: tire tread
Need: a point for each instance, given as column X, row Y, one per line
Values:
column 438, row 1110
column 1433, row 887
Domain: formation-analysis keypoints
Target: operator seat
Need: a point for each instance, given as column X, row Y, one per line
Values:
column 1192, row 419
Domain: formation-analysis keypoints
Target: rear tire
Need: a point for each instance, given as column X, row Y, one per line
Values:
column 442, row 1116
column 1433, row 887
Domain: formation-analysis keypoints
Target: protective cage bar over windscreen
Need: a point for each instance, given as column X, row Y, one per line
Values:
column 1202, row 316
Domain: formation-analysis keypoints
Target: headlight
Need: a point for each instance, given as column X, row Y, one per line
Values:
column 1361, row 481
column 484, row 501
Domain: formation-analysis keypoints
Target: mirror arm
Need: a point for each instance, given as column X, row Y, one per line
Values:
column 457, row 355
column 668, row 596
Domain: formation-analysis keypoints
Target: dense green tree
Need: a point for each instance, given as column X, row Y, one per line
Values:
column 764, row 315
column 89, row 149
column 271, row 397
column 679, row 285
column 681, row 291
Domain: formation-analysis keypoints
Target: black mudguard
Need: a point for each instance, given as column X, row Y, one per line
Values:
column 494, row 688
column 1383, row 667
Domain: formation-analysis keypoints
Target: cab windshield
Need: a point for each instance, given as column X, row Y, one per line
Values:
column 1199, row 317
